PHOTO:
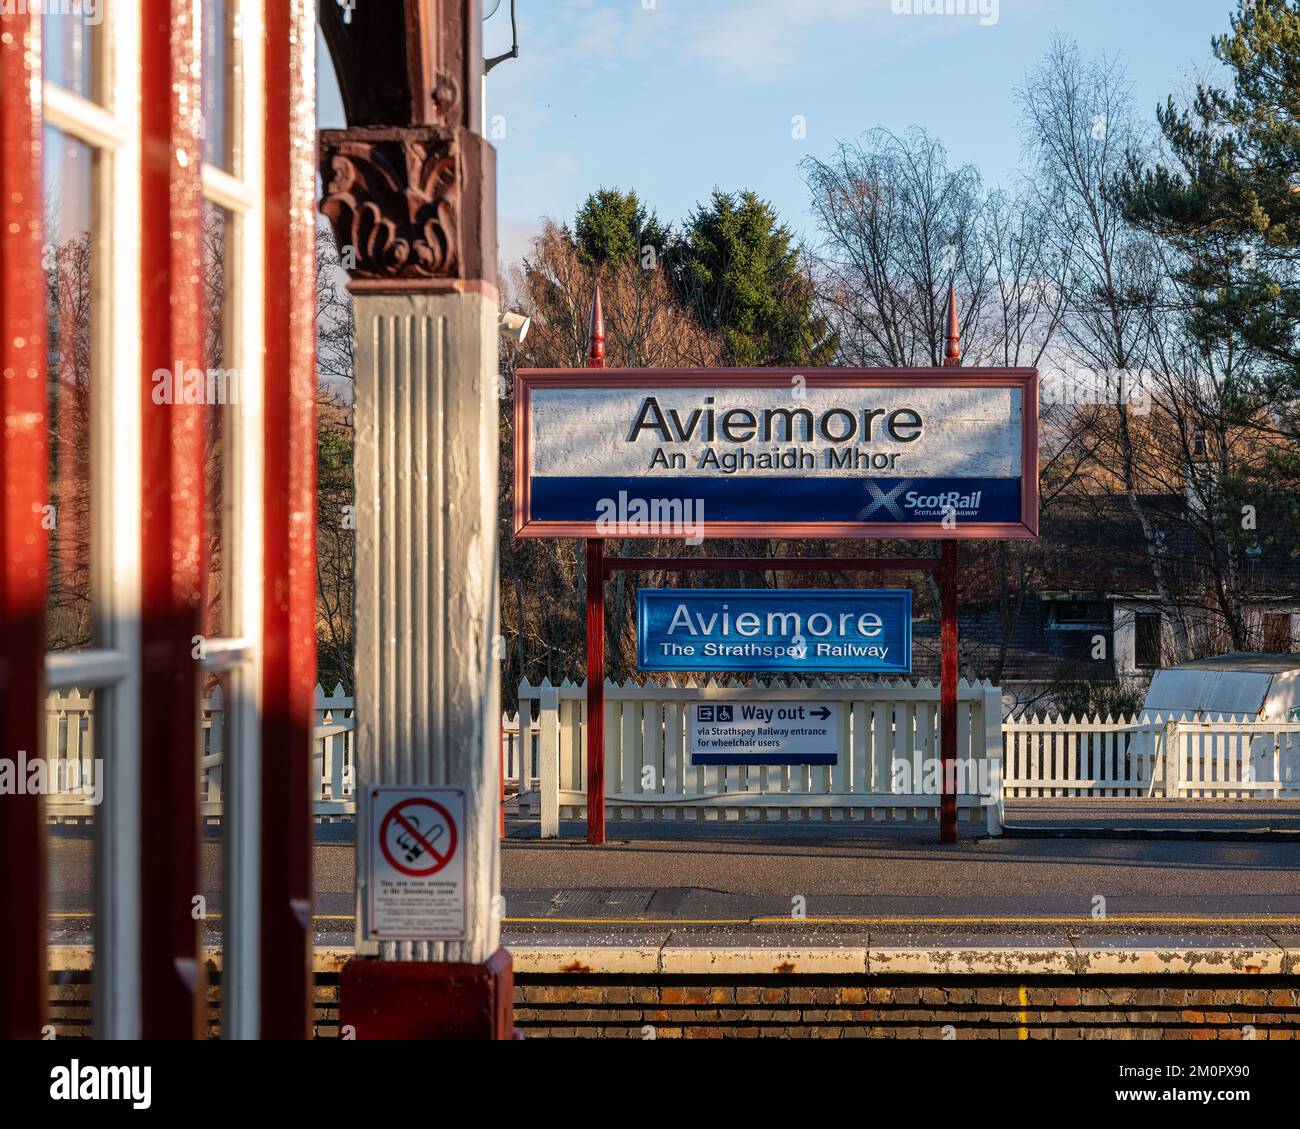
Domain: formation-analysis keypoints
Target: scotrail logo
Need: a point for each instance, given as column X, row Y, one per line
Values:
column 880, row 500
column 904, row 502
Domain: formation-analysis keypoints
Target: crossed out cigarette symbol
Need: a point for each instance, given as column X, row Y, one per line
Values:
column 407, row 838
column 409, row 831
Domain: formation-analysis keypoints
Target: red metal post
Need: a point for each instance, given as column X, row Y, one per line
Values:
column 773, row 564
column 24, row 487
column 595, row 630
column 948, row 635
column 595, row 691
column 173, row 998
column 948, row 691
column 289, row 525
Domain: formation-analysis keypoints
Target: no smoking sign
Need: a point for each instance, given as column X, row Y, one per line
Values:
column 416, row 865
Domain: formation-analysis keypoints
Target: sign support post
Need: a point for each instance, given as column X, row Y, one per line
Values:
column 948, row 690
column 596, row 630
column 948, row 634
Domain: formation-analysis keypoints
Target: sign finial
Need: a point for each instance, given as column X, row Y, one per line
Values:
column 952, row 354
column 596, row 334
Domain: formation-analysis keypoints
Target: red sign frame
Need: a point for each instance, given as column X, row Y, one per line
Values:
column 1025, row 379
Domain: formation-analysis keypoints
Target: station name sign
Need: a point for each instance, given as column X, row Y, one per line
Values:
column 695, row 453
column 745, row 629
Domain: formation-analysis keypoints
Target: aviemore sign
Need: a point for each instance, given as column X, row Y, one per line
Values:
column 693, row 453
column 767, row 629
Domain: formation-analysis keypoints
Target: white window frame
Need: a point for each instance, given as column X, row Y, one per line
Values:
column 111, row 126
column 112, row 667
column 239, row 191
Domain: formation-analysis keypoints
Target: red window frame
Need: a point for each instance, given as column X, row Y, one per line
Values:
column 172, row 1000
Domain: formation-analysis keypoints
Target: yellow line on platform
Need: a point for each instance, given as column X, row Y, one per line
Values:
column 1086, row 919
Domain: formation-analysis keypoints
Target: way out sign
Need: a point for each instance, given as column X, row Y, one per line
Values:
column 770, row 732
column 416, row 866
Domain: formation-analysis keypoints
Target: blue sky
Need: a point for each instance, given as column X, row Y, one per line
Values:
column 686, row 95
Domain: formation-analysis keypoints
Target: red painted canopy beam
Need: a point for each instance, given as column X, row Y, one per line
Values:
column 289, row 526
column 24, row 488
column 172, row 551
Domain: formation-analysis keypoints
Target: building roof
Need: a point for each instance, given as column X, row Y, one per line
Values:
column 1254, row 662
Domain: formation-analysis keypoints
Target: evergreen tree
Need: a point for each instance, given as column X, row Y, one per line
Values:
column 1230, row 199
column 741, row 272
column 614, row 227
column 1228, row 202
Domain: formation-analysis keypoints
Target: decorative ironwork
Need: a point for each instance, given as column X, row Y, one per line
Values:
column 394, row 200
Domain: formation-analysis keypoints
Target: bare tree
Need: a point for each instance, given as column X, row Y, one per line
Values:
column 897, row 228
column 335, row 501
column 1080, row 127
column 69, row 281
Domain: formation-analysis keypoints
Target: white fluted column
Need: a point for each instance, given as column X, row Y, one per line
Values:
column 426, row 567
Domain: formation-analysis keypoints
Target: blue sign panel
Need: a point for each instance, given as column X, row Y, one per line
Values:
column 747, row 629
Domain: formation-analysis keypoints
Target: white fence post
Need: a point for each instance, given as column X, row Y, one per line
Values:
column 1173, row 761
column 548, row 768
column 993, row 755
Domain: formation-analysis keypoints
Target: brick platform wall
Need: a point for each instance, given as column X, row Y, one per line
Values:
column 911, row 1008
column 640, row 1007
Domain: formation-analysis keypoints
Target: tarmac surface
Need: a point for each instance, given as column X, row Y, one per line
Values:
column 721, row 879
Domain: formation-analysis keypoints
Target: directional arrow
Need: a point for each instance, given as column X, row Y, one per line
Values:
column 822, row 714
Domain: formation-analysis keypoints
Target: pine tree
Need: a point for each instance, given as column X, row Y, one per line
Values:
column 742, row 273
column 615, row 227
column 1228, row 203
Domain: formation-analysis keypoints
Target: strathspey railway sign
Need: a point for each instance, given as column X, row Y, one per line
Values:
column 789, row 629
column 865, row 453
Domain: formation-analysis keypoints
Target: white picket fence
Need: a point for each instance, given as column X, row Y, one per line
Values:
column 1139, row 756
column 70, row 752
column 519, row 751
column 886, row 725
column 888, row 734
